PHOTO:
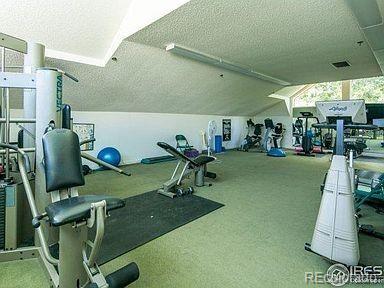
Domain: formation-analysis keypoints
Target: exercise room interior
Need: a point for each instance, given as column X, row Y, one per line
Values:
column 191, row 143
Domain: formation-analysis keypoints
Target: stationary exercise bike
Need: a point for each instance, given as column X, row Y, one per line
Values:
column 307, row 147
column 252, row 140
column 297, row 132
column 272, row 138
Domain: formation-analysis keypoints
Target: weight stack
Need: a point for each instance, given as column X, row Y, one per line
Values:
column 2, row 217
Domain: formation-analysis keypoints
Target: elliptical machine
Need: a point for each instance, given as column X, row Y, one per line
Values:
column 272, row 138
column 297, row 132
column 252, row 140
column 307, row 148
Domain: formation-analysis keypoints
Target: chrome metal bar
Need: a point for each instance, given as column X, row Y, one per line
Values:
column 2, row 102
column 182, row 172
column 32, row 205
column 7, row 132
column 22, row 159
column 100, row 219
column 175, row 171
column 86, row 141
column 26, row 131
column 2, row 59
column 18, row 120
column 26, row 150
column 104, row 164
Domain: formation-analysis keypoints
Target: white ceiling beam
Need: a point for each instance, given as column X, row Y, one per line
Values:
column 222, row 63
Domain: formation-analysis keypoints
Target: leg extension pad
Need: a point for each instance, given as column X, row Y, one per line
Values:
column 124, row 276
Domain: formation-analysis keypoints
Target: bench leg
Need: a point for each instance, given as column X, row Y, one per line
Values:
column 199, row 176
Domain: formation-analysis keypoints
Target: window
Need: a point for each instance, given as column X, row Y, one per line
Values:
column 369, row 89
column 319, row 92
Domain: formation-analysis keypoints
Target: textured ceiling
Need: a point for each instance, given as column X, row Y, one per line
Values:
column 85, row 27
column 293, row 40
column 146, row 79
column 86, row 31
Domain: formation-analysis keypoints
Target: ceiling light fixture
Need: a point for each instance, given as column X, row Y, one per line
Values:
column 221, row 63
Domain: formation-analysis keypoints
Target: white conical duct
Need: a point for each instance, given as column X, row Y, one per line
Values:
column 335, row 236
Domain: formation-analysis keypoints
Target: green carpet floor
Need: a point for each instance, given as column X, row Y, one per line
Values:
column 256, row 240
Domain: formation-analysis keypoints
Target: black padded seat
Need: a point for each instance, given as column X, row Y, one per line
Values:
column 203, row 159
column 350, row 145
column 198, row 161
column 76, row 209
column 369, row 178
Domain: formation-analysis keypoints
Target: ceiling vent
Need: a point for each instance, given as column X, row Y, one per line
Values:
column 341, row 64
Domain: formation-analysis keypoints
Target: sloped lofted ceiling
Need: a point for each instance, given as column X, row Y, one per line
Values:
column 66, row 26
column 146, row 79
column 86, row 31
column 293, row 40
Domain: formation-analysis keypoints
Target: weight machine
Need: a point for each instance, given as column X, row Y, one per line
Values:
column 55, row 150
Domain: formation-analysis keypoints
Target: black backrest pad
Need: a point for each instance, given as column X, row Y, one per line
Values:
column 62, row 160
column 174, row 152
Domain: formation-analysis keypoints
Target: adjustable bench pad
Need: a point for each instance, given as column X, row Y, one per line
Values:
column 202, row 159
column 198, row 161
column 76, row 209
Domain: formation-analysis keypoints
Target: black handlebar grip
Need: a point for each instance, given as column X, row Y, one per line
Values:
column 36, row 222
column 66, row 116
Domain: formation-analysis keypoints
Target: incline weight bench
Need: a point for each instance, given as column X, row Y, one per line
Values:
column 198, row 165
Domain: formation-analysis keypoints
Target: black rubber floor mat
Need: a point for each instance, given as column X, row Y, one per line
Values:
column 146, row 217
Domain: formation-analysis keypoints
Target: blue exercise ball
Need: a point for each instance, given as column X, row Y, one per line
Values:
column 110, row 155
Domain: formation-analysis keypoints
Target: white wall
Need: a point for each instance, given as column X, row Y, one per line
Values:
column 135, row 134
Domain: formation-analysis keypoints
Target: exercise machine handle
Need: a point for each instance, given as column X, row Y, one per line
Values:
column 36, row 220
column 24, row 155
column 86, row 141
